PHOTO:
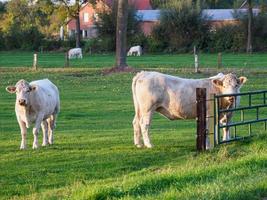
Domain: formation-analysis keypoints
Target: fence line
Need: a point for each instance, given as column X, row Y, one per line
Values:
column 220, row 60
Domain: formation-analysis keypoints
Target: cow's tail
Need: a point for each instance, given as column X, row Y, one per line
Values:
column 136, row 105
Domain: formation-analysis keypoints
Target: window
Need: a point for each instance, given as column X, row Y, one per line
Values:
column 96, row 18
column 86, row 17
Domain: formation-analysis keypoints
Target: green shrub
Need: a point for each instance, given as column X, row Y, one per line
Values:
column 181, row 27
column 260, row 32
column 106, row 27
column 138, row 39
column 154, row 45
column 99, row 45
column 227, row 38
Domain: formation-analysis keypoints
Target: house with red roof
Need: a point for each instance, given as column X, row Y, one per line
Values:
column 88, row 16
column 148, row 18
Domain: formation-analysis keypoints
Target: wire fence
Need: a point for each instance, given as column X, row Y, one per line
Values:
column 58, row 60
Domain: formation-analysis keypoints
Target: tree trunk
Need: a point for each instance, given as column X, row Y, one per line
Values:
column 249, row 39
column 78, row 28
column 121, row 30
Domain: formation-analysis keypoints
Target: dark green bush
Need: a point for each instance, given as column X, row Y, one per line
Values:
column 227, row 38
column 181, row 27
column 99, row 45
column 106, row 27
column 138, row 39
column 29, row 39
column 2, row 41
column 260, row 32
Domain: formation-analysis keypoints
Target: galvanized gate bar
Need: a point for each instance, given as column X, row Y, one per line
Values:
column 242, row 123
column 242, row 108
column 242, row 93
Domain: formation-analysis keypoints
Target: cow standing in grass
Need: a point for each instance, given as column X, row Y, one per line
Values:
column 135, row 50
column 75, row 53
column 175, row 98
column 36, row 102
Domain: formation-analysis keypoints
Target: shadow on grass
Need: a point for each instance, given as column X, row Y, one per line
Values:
column 156, row 185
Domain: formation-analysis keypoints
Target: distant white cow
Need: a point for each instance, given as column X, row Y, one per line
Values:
column 135, row 50
column 36, row 102
column 75, row 53
column 175, row 98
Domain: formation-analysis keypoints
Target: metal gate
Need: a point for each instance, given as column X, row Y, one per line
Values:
column 255, row 104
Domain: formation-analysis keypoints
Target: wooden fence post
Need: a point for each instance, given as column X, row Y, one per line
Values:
column 67, row 59
column 201, row 118
column 196, row 60
column 35, row 61
column 219, row 60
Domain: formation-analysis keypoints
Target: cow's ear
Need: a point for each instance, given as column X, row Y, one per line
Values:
column 242, row 80
column 217, row 83
column 11, row 89
column 33, row 88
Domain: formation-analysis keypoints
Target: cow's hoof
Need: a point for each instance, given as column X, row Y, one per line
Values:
column 51, row 141
column 22, row 147
column 34, row 146
column 45, row 144
column 149, row 146
column 139, row 145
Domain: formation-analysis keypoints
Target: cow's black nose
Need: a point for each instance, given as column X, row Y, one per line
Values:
column 22, row 102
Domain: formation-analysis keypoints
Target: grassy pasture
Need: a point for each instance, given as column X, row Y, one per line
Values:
column 53, row 59
column 94, row 157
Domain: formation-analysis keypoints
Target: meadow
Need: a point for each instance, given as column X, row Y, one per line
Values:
column 94, row 157
column 57, row 59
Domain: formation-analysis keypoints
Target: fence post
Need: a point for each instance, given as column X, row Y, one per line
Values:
column 66, row 59
column 196, row 60
column 35, row 61
column 219, row 60
column 201, row 118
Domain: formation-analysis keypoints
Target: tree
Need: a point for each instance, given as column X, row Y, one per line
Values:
column 121, row 32
column 20, row 25
column 107, row 23
column 2, row 7
column 249, row 38
column 73, row 12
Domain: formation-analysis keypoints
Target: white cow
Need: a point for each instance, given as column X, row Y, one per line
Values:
column 75, row 53
column 135, row 50
column 175, row 98
column 36, row 102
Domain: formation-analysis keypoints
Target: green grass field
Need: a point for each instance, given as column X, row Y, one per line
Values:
column 53, row 59
column 94, row 157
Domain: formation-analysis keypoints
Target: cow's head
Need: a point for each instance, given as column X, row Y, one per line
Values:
column 229, row 84
column 22, row 90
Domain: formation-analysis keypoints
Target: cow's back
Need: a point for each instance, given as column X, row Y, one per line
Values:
column 46, row 98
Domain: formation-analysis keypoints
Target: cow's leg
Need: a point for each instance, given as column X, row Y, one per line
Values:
column 45, row 132
column 52, row 125
column 145, row 121
column 35, row 131
column 23, row 131
column 226, row 131
column 137, row 132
